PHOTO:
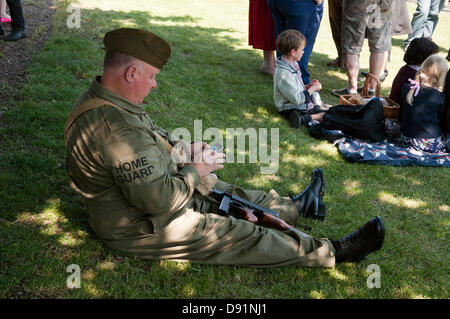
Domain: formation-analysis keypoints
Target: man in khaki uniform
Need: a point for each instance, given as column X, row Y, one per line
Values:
column 141, row 202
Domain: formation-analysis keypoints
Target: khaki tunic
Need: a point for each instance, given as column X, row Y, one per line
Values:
column 140, row 202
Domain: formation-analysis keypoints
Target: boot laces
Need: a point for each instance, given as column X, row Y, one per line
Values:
column 353, row 240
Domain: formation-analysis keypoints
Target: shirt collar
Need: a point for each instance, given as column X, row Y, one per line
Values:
column 99, row 91
column 294, row 65
column 414, row 67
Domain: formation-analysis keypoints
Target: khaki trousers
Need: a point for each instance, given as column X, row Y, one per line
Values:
column 335, row 16
column 200, row 236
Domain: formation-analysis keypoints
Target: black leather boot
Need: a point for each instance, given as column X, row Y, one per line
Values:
column 16, row 35
column 297, row 119
column 2, row 32
column 357, row 245
column 309, row 202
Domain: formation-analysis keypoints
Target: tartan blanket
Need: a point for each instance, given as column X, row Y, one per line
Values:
column 355, row 150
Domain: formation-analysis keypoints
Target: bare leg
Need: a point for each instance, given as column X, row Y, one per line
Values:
column 268, row 66
column 3, row 9
column 318, row 117
column 352, row 66
column 377, row 63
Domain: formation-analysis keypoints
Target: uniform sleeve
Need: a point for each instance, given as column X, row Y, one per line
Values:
column 290, row 90
column 164, row 132
column 147, row 177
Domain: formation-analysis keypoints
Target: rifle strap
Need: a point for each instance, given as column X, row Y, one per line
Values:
column 84, row 107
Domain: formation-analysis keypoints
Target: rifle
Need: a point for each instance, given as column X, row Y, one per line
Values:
column 231, row 204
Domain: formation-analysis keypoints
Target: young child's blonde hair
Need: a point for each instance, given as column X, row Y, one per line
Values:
column 432, row 73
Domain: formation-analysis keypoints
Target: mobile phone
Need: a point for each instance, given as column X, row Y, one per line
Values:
column 217, row 147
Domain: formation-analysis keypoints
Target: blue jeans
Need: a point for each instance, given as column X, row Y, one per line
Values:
column 425, row 19
column 302, row 15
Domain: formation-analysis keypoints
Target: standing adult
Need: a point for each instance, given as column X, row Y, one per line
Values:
column 335, row 16
column 362, row 17
column 17, row 21
column 261, row 33
column 425, row 19
column 302, row 15
column 400, row 25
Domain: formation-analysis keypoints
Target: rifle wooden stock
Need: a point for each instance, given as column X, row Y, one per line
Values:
column 273, row 222
column 248, row 215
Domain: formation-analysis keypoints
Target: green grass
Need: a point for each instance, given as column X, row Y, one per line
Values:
column 213, row 76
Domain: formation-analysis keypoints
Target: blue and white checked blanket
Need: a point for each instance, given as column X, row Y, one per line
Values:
column 355, row 150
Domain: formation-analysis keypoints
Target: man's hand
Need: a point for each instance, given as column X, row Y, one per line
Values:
column 197, row 149
column 206, row 161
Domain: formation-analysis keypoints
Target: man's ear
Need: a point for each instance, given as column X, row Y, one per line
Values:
column 130, row 73
column 292, row 52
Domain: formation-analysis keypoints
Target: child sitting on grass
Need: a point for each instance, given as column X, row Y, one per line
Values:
column 423, row 107
column 298, row 102
column 418, row 50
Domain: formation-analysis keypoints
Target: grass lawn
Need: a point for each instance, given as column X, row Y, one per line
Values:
column 213, row 76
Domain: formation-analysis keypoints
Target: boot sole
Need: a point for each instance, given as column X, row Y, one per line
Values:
column 381, row 229
column 322, row 182
column 322, row 206
column 322, row 210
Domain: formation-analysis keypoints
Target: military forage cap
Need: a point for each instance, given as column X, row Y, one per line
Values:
column 141, row 44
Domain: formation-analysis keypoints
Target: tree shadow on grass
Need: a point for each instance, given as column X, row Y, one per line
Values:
column 45, row 224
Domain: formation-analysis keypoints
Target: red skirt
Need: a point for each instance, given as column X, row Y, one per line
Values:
column 261, row 34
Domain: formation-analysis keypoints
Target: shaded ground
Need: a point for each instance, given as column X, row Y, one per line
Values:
column 45, row 229
column 16, row 56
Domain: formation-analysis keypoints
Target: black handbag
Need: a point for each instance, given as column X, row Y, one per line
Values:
column 361, row 121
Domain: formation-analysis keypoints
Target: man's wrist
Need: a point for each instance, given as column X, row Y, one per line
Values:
column 191, row 172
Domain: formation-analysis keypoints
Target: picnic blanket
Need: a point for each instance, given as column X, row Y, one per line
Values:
column 355, row 150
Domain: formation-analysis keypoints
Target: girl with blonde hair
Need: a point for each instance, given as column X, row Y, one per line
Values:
column 423, row 106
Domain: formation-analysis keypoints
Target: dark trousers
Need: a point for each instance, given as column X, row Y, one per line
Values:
column 335, row 16
column 16, row 12
column 302, row 15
